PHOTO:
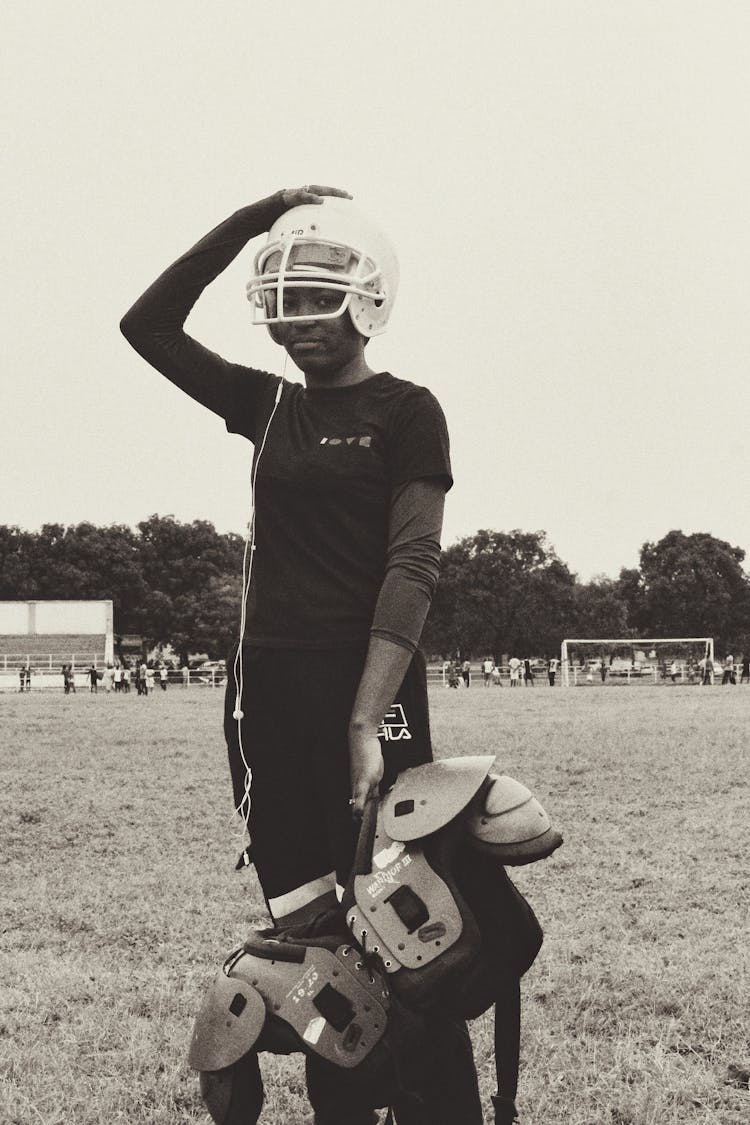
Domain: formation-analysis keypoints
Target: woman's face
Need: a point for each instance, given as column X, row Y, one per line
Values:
column 318, row 346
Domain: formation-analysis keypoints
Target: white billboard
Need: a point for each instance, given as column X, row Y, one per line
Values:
column 14, row 618
column 58, row 618
column 73, row 617
column 55, row 617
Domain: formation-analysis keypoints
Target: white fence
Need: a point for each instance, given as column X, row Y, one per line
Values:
column 46, row 674
column 48, row 677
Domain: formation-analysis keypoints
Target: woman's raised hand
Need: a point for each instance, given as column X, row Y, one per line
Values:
column 311, row 193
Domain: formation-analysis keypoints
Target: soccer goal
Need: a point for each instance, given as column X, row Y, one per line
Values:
column 642, row 660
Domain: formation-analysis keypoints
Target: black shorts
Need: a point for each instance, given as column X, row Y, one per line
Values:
column 294, row 732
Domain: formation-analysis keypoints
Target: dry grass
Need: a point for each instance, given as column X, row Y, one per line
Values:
column 119, row 898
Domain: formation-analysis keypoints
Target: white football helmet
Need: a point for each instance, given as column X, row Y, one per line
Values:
column 330, row 246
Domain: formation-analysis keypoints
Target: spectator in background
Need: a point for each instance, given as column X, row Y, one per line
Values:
column 149, row 681
column 93, row 679
column 745, row 672
column 126, row 678
column 528, row 673
column 185, row 672
column 603, row 668
column 108, row 678
column 117, row 677
column 552, row 665
column 514, row 664
column 674, row 671
column 466, row 673
column 487, row 665
column 496, row 676
column 729, row 676
column 163, row 676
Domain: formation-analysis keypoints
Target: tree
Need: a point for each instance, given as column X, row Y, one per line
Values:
column 184, row 564
column 500, row 592
column 600, row 610
column 15, row 572
column 689, row 585
column 215, row 616
column 168, row 581
column 84, row 561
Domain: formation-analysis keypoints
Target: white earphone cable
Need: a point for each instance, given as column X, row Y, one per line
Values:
column 243, row 808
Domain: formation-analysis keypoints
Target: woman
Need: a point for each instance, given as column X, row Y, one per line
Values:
column 349, row 476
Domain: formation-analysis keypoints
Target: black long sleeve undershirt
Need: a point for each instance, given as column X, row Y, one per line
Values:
column 154, row 324
column 413, row 562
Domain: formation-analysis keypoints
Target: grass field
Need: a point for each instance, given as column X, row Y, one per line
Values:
column 119, row 900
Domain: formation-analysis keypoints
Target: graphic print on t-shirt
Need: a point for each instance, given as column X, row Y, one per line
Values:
column 364, row 440
column 394, row 726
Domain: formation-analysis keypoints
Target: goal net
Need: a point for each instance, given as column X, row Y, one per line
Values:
column 636, row 660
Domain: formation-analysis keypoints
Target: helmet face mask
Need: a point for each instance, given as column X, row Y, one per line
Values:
column 332, row 249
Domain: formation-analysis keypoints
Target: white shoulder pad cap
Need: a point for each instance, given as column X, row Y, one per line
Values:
column 428, row 797
column 229, row 1022
column 509, row 822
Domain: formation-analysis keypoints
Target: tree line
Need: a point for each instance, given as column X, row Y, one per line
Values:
column 169, row 582
column 499, row 591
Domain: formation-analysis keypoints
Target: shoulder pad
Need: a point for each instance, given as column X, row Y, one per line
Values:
column 330, row 1001
column 509, row 822
column 228, row 1024
column 403, row 910
column 428, row 797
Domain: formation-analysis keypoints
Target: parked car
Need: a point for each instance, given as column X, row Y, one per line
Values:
column 210, row 671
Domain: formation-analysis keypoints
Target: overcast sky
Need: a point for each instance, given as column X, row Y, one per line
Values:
column 567, row 186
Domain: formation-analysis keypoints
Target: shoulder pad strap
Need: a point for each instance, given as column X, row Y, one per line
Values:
column 425, row 798
column 228, row 1024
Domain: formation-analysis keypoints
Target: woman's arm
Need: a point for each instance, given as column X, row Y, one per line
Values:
column 405, row 596
column 154, row 324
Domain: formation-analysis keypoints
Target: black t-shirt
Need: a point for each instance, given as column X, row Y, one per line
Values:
column 329, row 463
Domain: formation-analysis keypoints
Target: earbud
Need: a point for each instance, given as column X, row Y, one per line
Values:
column 237, row 714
